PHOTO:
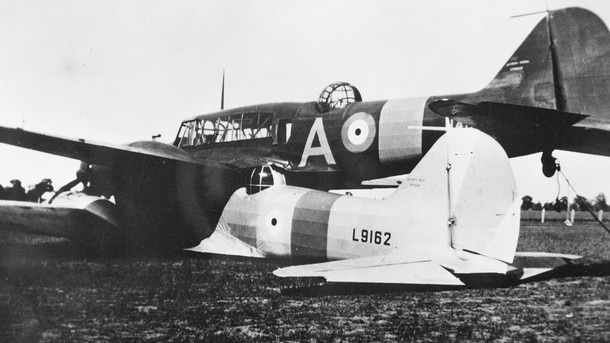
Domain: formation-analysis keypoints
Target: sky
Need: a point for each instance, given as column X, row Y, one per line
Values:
column 122, row 71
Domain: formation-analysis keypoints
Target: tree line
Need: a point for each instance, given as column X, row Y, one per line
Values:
column 35, row 191
column 580, row 203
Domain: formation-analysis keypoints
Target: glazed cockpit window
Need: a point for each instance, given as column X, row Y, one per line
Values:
column 227, row 128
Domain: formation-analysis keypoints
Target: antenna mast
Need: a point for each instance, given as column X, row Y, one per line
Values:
column 222, row 93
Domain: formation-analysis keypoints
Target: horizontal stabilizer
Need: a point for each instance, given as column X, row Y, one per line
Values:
column 472, row 114
column 521, row 130
column 390, row 181
column 372, row 193
column 377, row 269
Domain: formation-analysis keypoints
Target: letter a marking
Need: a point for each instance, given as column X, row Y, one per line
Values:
column 324, row 149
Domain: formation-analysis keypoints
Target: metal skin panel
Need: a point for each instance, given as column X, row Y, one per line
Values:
column 221, row 242
column 273, row 234
column 351, row 217
column 264, row 220
column 309, row 239
column 239, row 217
column 398, row 143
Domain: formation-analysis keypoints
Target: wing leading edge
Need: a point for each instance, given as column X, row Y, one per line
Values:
column 85, row 150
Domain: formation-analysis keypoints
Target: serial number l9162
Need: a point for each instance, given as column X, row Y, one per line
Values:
column 371, row 236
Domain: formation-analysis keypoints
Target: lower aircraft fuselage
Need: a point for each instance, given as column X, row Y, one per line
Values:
column 303, row 224
column 453, row 215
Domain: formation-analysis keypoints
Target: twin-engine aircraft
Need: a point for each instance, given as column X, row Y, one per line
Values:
column 453, row 222
column 551, row 94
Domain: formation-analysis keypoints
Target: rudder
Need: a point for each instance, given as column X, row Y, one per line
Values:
column 465, row 185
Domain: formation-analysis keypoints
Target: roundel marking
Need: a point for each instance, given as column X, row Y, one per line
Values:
column 274, row 222
column 358, row 132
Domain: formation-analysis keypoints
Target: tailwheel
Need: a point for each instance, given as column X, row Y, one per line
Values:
column 549, row 164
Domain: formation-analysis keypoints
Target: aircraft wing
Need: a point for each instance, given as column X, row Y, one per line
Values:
column 377, row 269
column 85, row 150
column 521, row 130
column 88, row 220
column 163, row 186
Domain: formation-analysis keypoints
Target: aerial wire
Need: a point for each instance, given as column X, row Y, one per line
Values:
column 579, row 199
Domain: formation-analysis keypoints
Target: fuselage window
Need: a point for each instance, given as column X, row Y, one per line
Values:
column 189, row 133
column 283, row 130
column 288, row 131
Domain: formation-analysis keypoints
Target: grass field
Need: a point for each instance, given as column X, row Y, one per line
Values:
column 49, row 292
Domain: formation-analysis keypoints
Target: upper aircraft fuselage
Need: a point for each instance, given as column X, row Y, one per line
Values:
column 327, row 147
column 342, row 146
column 356, row 140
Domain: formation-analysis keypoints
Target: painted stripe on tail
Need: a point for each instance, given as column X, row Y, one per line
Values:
column 309, row 239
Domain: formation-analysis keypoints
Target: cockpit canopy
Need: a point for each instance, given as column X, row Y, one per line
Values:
column 338, row 95
column 253, row 124
column 226, row 128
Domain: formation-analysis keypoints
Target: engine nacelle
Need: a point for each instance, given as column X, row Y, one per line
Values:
column 96, row 226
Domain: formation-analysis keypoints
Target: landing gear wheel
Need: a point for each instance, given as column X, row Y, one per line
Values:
column 549, row 164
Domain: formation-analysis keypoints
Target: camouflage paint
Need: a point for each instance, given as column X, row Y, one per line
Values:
column 398, row 143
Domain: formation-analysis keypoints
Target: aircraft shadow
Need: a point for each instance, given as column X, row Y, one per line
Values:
column 361, row 289
column 596, row 269
column 601, row 268
column 11, row 250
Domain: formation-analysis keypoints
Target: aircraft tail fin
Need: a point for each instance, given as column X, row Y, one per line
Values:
column 465, row 190
column 563, row 64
